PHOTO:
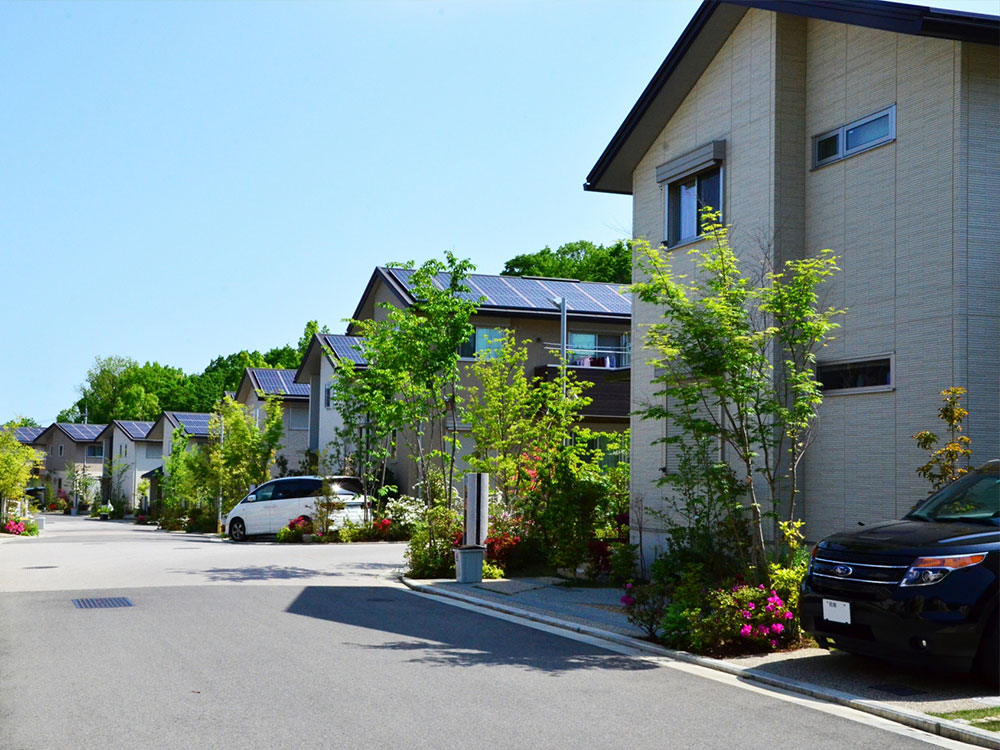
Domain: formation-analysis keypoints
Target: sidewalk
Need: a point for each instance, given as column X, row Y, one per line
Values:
column 879, row 688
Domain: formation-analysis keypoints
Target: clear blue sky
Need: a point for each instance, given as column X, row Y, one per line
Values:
column 183, row 180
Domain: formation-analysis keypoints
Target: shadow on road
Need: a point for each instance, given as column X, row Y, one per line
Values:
column 442, row 635
column 284, row 572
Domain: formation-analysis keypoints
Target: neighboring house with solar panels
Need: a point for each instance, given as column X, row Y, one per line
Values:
column 864, row 127
column 598, row 340
column 77, row 443
column 260, row 383
column 195, row 426
column 28, row 435
column 128, row 454
column 315, row 373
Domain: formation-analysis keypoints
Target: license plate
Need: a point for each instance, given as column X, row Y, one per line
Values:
column 836, row 611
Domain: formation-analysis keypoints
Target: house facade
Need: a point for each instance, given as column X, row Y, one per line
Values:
column 195, row 427
column 598, row 335
column 867, row 128
column 68, row 444
column 259, row 384
column 129, row 453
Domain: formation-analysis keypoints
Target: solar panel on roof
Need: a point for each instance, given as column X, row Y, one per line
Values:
column 83, row 433
column 344, row 348
column 194, row 423
column 610, row 296
column 576, row 299
column 136, row 430
column 279, row 382
column 498, row 292
column 538, row 297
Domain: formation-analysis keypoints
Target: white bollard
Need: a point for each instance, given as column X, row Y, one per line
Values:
column 469, row 557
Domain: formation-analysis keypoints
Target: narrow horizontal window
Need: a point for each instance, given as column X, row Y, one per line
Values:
column 848, row 376
column 855, row 137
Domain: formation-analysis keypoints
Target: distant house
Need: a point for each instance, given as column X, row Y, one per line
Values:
column 128, row 454
column 66, row 443
column 865, row 127
column 325, row 352
column 598, row 342
column 194, row 425
column 28, row 435
column 257, row 385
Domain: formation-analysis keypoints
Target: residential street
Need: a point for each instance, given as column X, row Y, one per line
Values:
column 266, row 645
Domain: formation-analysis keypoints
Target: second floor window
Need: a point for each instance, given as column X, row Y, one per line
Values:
column 599, row 349
column 95, row 451
column 488, row 340
column 684, row 203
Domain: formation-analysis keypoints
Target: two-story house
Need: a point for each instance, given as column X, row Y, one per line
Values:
column 129, row 453
column 259, row 384
column 868, row 128
column 597, row 334
column 195, row 427
column 76, row 445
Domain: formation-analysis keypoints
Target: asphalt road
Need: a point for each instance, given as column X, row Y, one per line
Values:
column 275, row 646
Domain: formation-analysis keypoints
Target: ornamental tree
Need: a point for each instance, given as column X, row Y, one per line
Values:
column 735, row 356
column 17, row 462
column 951, row 460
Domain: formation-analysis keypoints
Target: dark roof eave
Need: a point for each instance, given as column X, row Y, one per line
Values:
column 610, row 176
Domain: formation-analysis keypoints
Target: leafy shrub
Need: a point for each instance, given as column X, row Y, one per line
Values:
column 491, row 571
column 622, row 563
column 645, row 605
column 430, row 551
column 295, row 529
column 21, row 527
column 58, row 505
column 286, row 535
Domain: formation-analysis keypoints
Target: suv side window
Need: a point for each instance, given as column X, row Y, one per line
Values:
column 288, row 488
column 313, row 487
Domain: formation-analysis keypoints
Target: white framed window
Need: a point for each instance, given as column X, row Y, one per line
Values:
column 854, row 137
column 298, row 418
column 690, row 183
column 154, row 450
column 863, row 375
column 486, row 340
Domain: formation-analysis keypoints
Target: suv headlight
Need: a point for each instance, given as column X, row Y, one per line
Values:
column 927, row 570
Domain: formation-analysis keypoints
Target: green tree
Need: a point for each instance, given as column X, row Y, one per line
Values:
column 515, row 419
column 944, row 464
column 580, row 260
column 311, row 329
column 411, row 378
column 17, row 463
column 80, row 483
column 737, row 359
column 20, row 422
column 240, row 450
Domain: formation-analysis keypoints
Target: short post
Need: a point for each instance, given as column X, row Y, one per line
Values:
column 469, row 557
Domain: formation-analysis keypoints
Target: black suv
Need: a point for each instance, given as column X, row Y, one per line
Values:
column 920, row 590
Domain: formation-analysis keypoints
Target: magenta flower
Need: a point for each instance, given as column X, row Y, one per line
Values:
column 627, row 600
column 774, row 643
column 777, row 628
column 746, row 630
column 751, row 605
column 762, row 629
column 789, row 615
column 746, row 614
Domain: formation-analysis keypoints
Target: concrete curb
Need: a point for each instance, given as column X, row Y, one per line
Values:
column 940, row 727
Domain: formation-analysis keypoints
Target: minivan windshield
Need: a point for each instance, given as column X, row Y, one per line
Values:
column 975, row 498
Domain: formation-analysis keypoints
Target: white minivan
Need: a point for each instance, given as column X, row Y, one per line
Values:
column 273, row 504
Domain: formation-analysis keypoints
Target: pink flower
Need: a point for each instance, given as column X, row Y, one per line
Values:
column 746, row 614
column 761, row 587
column 746, row 630
column 628, row 586
column 627, row 600
column 769, row 608
column 774, row 643
column 789, row 616
column 751, row 605
column 762, row 629
column 777, row 628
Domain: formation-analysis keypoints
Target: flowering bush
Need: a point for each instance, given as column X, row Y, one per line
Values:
column 645, row 605
column 21, row 527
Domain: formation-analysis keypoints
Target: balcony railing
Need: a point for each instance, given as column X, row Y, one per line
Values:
column 607, row 357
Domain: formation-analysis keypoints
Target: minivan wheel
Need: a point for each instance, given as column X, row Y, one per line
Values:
column 237, row 530
column 988, row 658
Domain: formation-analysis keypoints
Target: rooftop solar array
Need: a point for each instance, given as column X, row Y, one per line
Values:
column 83, row 433
column 343, row 347
column 28, row 434
column 194, row 423
column 516, row 292
column 278, row 382
column 135, row 430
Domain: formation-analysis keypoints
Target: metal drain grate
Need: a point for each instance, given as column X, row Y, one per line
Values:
column 102, row 603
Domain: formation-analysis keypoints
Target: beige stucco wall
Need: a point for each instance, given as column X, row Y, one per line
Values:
column 914, row 223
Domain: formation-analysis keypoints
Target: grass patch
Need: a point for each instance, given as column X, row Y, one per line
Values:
column 983, row 718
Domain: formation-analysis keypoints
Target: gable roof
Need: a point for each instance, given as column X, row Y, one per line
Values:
column 712, row 25
column 195, row 424
column 517, row 295
column 28, row 435
column 333, row 346
column 78, row 433
column 274, row 382
column 134, row 430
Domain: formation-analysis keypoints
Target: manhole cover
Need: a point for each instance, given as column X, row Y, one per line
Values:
column 900, row 690
column 109, row 602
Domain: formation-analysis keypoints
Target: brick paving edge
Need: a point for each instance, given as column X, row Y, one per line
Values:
column 941, row 727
